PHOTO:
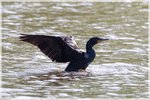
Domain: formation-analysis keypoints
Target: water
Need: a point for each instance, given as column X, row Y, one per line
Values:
column 120, row 68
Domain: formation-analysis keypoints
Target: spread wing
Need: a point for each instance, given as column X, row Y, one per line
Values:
column 59, row 49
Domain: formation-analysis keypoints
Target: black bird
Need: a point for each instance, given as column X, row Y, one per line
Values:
column 64, row 49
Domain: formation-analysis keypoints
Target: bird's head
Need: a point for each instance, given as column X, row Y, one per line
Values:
column 94, row 40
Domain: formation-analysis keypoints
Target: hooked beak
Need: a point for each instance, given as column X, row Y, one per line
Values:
column 101, row 39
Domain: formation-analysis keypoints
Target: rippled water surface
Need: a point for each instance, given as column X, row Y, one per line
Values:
column 120, row 68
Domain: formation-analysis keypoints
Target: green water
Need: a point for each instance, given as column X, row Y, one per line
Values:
column 120, row 68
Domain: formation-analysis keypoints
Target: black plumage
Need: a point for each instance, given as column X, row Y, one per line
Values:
column 64, row 49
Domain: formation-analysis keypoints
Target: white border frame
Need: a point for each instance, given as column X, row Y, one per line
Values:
column 32, row 98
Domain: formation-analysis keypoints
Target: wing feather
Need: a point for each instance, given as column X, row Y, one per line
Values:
column 59, row 49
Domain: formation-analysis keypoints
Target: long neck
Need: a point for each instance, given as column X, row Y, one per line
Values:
column 90, row 51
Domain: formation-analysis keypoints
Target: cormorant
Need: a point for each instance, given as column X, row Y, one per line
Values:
column 64, row 49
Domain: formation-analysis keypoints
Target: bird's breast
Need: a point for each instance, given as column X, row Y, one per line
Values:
column 90, row 57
